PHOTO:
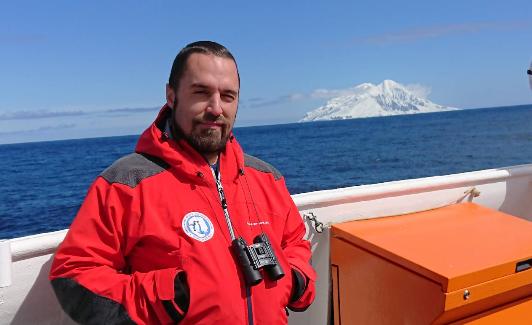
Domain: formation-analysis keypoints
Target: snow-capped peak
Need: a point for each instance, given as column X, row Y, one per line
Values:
column 367, row 100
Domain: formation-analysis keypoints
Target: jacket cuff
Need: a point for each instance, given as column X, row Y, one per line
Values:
column 307, row 294
column 178, row 307
column 299, row 284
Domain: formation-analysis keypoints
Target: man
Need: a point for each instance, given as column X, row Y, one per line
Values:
column 154, row 240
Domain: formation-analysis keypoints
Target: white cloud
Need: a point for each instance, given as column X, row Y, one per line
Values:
column 425, row 32
column 265, row 102
column 40, row 129
column 39, row 114
column 44, row 114
column 133, row 110
column 331, row 93
column 295, row 97
column 419, row 90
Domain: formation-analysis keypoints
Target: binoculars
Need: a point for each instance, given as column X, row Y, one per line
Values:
column 256, row 256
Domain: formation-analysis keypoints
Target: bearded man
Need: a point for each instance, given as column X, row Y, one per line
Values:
column 187, row 229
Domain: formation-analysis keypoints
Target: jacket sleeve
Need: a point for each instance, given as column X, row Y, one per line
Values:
column 89, row 272
column 297, row 251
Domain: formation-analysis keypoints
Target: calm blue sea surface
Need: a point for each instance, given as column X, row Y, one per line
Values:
column 43, row 184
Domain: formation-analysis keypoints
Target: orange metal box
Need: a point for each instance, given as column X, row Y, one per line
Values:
column 463, row 263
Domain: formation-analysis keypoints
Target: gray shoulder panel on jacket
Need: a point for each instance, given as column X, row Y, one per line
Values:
column 256, row 163
column 130, row 170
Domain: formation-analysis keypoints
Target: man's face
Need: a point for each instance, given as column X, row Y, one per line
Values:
column 206, row 102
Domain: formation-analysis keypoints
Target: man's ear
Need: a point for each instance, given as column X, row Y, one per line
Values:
column 170, row 96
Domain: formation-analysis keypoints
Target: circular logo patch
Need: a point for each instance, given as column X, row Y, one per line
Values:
column 196, row 225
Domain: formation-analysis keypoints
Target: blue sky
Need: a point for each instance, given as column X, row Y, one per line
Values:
column 72, row 69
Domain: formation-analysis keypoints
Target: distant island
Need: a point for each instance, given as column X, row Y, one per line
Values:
column 368, row 100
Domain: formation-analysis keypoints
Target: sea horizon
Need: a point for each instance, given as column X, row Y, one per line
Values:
column 148, row 122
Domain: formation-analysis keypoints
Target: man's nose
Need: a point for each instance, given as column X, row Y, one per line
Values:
column 215, row 105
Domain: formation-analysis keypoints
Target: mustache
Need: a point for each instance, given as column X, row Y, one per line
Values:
column 207, row 117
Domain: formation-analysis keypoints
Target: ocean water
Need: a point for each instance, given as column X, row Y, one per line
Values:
column 44, row 183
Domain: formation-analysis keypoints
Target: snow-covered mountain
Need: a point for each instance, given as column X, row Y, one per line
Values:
column 366, row 100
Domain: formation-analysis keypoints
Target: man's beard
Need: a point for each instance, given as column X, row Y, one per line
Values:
column 206, row 141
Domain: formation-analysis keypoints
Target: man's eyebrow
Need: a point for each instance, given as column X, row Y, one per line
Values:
column 203, row 86
column 198, row 85
column 231, row 92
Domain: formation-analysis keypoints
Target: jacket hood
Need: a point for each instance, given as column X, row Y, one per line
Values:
column 178, row 153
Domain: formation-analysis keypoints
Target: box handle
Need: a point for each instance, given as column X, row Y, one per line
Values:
column 523, row 265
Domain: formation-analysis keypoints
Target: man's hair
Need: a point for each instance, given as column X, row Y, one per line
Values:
column 203, row 47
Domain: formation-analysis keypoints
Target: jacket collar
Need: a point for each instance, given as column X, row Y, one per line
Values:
column 178, row 153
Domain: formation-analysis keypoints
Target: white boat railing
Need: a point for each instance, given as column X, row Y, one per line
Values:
column 36, row 245
column 306, row 201
column 5, row 263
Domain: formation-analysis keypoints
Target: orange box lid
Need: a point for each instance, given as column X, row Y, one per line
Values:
column 458, row 246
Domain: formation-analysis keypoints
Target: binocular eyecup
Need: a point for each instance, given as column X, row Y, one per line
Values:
column 256, row 256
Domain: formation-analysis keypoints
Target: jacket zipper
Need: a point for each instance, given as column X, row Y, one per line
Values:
column 223, row 202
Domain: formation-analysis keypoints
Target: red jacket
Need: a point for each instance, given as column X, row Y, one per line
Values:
column 156, row 213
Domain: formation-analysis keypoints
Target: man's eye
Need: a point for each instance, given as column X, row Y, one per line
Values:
column 201, row 92
column 228, row 97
